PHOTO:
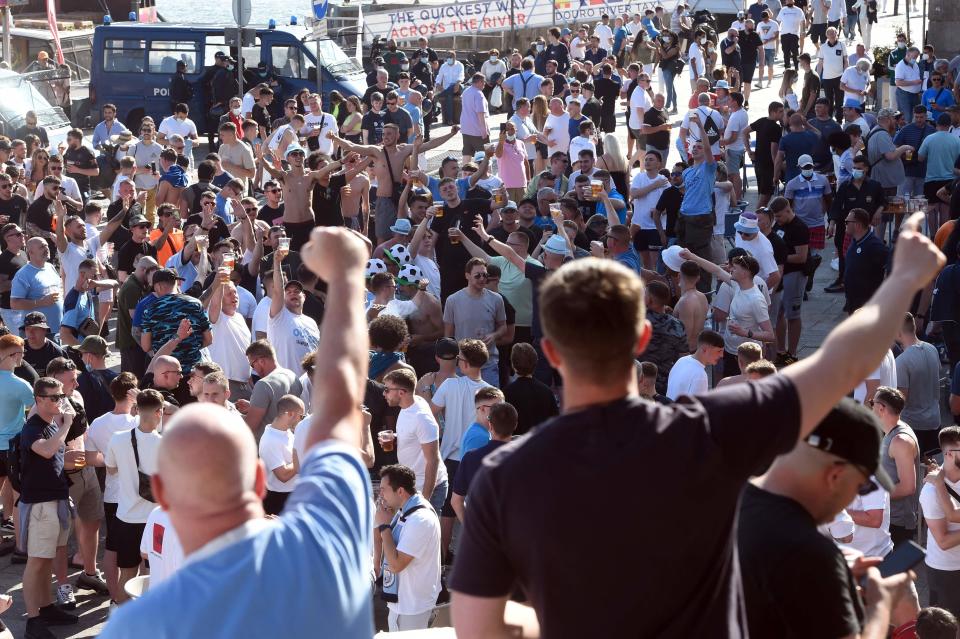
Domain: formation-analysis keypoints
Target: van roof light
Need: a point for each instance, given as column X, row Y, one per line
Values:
column 132, row 16
column 107, row 19
column 272, row 24
column 293, row 21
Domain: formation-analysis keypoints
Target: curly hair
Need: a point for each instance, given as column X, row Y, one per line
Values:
column 387, row 332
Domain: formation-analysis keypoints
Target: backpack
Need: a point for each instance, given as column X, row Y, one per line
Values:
column 866, row 148
column 713, row 132
column 15, row 463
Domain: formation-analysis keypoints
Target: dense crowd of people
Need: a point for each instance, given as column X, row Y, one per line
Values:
column 342, row 370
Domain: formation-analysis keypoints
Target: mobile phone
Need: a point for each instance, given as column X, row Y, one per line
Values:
column 905, row 556
column 503, row 127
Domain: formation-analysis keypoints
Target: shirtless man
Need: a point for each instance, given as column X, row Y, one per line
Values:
column 691, row 308
column 298, row 219
column 426, row 320
column 747, row 353
column 389, row 160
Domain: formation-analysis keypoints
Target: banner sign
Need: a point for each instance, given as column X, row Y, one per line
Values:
column 494, row 16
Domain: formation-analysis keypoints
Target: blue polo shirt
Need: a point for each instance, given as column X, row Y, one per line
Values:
column 807, row 196
column 473, row 438
column 321, row 544
column 698, row 196
column 18, row 397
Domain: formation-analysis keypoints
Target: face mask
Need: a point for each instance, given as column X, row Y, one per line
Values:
column 857, row 174
column 425, row 60
column 539, row 47
column 493, row 58
column 668, row 40
column 404, row 66
column 235, row 111
column 88, row 367
column 807, row 173
column 926, row 56
column 450, row 61
column 901, row 45
column 511, row 138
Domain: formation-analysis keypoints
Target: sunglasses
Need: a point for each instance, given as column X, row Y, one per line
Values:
column 480, row 276
column 56, row 168
column 250, row 210
column 207, row 203
column 273, row 190
column 57, row 397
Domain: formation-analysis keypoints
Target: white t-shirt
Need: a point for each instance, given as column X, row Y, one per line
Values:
column 326, row 123
column 580, row 143
column 643, row 207
column 70, row 260
column 748, row 309
column 605, row 33
column 276, row 450
column 416, row 426
column 277, row 137
column 420, row 580
column 687, row 377
column 873, row 542
column 904, row 71
column 855, row 80
column 790, row 19
column 70, row 187
column 173, row 126
column 578, row 48
column 640, row 100
column 261, row 316
column 430, row 271
column 761, row 249
column 738, row 122
column 131, row 507
column 695, row 54
column 300, row 432
column 834, row 59
column 559, row 126
column 886, row 373
column 768, row 32
column 246, row 104
column 98, row 436
column 936, row 556
column 292, row 336
column 693, row 132
column 836, row 10
column 161, row 546
column 231, row 337
column 456, row 397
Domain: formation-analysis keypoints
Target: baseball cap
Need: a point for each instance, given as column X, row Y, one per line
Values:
column 295, row 284
column 138, row 220
column 5, row 145
column 850, row 431
column 851, row 103
column 446, row 348
column 167, row 275
column 804, row 160
column 37, row 319
column 93, row 344
column 886, row 113
column 219, row 54
column 556, row 245
column 509, row 205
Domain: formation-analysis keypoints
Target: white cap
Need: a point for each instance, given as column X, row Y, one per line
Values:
column 804, row 160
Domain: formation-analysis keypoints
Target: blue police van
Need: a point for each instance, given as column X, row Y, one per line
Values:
column 133, row 63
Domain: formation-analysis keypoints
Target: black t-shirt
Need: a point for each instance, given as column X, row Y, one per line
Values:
column 794, row 234
column 40, row 357
column 43, row 479
column 14, row 208
column 768, row 132
column 217, row 232
column 261, row 115
column 732, row 59
column 790, row 570
column 384, row 417
column 373, row 88
column 452, row 258
column 519, row 524
column 660, row 139
column 780, row 249
column 94, row 387
column 502, row 234
column 179, row 396
column 399, row 117
column 559, row 83
column 290, row 265
column 270, row 215
column 82, row 158
column 534, row 401
column 127, row 256
column 122, row 235
column 749, row 41
column 10, row 263
column 372, row 123
column 470, row 464
column 670, row 201
column 326, row 201
column 40, row 213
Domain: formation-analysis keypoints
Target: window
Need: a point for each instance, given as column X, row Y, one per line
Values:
column 290, row 62
column 164, row 55
column 123, row 56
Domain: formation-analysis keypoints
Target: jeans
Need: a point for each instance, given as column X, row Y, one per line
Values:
column 446, row 98
column 668, row 77
column 490, row 373
column 944, row 589
column 439, row 496
column 905, row 103
column 851, row 28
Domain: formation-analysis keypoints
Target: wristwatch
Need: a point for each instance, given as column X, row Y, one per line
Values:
column 383, row 527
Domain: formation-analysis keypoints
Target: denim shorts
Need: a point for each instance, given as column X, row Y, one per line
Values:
column 735, row 159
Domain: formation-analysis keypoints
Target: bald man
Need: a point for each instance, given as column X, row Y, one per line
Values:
column 310, row 568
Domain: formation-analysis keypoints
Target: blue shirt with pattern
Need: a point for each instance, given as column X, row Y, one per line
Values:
column 162, row 318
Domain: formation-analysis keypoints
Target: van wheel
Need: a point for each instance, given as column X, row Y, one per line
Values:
column 133, row 119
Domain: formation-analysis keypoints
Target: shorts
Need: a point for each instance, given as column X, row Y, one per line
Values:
column 764, row 176
column 818, row 33
column 735, row 159
column 647, row 240
column 794, row 284
column 747, row 71
column 834, row 23
column 817, row 238
column 273, row 502
column 4, row 466
column 128, row 543
column 299, row 233
column 776, row 299
column 930, row 190
column 85, row 493
column 451, row 465
column 385, row 215
column 636, row 135
column 473, row 144
column 44, row 533
column 769, row 55
column 110, row 516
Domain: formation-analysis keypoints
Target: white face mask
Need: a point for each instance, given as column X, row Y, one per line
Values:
column 901, row 45
column 450, row 61
column 425, row 60
column 807, row 173
column 235, row 111
column 494, row 58
column 511, row 137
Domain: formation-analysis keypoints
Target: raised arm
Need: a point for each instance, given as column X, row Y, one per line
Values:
column 276, row 302
column 368, row 150
column 215, row 301
column 61, row 237
column 498, row 246
column 338, row 257
column 854, row 348
column 437, row 141
column 706, row 265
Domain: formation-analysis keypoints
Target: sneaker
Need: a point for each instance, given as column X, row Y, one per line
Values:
column 54, row 616
column 785, row 359
column 758, row 85
column 93, row 582
column 7, row 524
column 18, row 557
column 65, row 598
column 37, row 629
column 836, row 287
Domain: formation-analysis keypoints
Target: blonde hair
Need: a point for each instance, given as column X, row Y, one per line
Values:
column 539, row 111
column 789, row 77
column 613, row 157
